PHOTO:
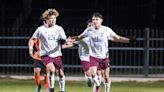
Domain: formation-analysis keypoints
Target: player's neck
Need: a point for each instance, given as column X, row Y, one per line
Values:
column 98, row 27
column 49, row 26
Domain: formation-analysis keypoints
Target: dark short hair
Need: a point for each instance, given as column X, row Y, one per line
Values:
column 97, row 14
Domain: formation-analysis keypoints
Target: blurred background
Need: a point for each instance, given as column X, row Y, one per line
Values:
column 142, row 19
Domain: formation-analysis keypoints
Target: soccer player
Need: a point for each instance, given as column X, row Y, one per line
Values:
column 99, row 35
column 50, row 48
column 38, row 66
column 83, row 52
column 84, row 55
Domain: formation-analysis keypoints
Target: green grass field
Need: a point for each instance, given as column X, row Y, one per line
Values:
column 13, row 85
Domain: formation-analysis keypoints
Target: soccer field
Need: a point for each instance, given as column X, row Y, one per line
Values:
column 13, row 85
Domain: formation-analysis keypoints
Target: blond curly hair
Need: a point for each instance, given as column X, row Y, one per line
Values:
column 47, row 13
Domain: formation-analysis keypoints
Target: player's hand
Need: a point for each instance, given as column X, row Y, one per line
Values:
column 70, row 39
column 77, row 38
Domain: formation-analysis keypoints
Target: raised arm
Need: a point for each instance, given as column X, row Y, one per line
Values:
column 68, row 43
column 121, row 39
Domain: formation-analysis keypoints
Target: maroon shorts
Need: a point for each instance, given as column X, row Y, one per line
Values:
column 85, row 65
column 57, row 61
column 100, row 63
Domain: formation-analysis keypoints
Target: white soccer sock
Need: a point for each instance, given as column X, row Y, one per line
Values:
column 62, row 83
column 86, row 77
column 100, row 78
column 51, row 80
column 96, row 81
column 94, row 88
column 107, row 86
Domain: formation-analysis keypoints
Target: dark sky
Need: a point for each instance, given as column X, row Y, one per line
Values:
column 117, row 13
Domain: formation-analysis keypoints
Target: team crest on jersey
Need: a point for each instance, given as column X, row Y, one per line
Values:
column 51, row 37
column 97, row 38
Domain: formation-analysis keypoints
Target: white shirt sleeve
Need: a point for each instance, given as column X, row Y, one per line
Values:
column 85, row 33
column 110, row 33
column 62, row 34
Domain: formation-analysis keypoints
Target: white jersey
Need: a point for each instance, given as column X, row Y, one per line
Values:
column 84, row 49
column 48, row 37
column 98, row 39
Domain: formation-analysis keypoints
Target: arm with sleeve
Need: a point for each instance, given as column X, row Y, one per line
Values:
column 62, row 34
column 111, row 34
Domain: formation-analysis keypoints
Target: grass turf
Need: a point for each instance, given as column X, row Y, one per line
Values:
column 13, row 85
